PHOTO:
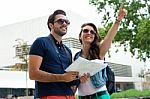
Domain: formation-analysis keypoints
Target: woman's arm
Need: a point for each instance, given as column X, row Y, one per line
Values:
column 105, row 44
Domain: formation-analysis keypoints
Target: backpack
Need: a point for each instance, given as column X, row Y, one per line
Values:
column 110, row 82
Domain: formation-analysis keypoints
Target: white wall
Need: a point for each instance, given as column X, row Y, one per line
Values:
column 15, row 79
column 28, row 31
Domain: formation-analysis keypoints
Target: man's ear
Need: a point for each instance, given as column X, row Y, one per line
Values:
column 50, row 25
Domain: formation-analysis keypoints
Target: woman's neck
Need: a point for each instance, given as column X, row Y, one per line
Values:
column 85, row 51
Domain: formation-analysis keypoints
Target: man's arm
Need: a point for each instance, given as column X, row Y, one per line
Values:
column 36, row 74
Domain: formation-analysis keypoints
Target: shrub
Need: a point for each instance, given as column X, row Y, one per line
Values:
column 132, row 93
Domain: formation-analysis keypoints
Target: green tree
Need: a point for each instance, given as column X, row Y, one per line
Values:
column 22, row 50
column 134, row 30
column 142, row 76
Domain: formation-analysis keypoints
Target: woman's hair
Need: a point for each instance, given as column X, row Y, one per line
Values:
column 94, row 49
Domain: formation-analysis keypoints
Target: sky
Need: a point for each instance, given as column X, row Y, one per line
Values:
column 13, row 11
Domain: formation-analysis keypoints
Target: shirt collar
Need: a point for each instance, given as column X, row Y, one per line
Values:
column 56, row 42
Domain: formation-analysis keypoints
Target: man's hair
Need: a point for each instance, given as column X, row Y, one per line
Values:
column 52, row 17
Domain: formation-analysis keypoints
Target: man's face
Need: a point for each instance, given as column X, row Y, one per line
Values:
column 60, row 25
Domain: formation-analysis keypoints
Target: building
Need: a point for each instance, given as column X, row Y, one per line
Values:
column 125, row 70
column 123, row 73
column 15, row 83
column 146, row 83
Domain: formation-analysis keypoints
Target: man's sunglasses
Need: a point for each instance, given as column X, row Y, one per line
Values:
column 87, row 31
column 61, row 21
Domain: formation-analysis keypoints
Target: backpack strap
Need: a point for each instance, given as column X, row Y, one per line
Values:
column 77, row 55
column 110, row 82
column 67, row 50
column 53, row 43
column 72, row 84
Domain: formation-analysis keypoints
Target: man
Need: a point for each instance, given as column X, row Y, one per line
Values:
column 48, row 59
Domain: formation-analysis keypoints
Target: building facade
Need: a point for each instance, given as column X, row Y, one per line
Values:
column 126, row 73
column 121, row 71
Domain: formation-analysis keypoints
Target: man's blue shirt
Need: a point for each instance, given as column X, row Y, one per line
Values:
column 53, row 62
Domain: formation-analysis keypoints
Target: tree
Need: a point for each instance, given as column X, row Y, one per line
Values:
column 22, row 50
column 142, row 76
column 134, row 30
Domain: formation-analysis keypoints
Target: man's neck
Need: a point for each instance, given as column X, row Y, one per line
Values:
column 57, row 37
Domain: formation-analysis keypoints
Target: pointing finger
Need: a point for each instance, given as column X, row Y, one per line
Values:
column 121, row 7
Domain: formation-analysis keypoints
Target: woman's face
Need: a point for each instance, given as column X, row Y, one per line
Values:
column 87, row 34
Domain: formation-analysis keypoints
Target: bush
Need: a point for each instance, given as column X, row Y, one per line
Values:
column 132, row 93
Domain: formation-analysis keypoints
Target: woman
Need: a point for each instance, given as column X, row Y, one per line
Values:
column 94, row 48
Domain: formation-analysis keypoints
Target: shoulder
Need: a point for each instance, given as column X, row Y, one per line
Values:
column 76, row 56
column 41, row 38
column 40, row 42
column 68, row 49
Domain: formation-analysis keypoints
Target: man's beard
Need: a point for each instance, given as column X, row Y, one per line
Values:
column 60, row 33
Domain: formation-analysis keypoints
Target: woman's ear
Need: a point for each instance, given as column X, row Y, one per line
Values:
column 80, row 38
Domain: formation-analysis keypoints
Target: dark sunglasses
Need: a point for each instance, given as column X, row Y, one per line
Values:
column 61, row 21
column 87, row 31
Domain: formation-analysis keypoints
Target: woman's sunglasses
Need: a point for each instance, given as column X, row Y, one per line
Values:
column 87, row 31
column 61, row 21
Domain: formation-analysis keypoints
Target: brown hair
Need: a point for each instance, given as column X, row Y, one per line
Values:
column 94, row 49
column 52, row 17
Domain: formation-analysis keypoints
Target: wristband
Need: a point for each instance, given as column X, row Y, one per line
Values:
column 118, row 21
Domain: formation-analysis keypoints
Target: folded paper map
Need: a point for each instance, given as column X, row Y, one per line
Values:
column 83, row 65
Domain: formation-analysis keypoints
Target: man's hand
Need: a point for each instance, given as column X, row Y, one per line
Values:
column 70, row 76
